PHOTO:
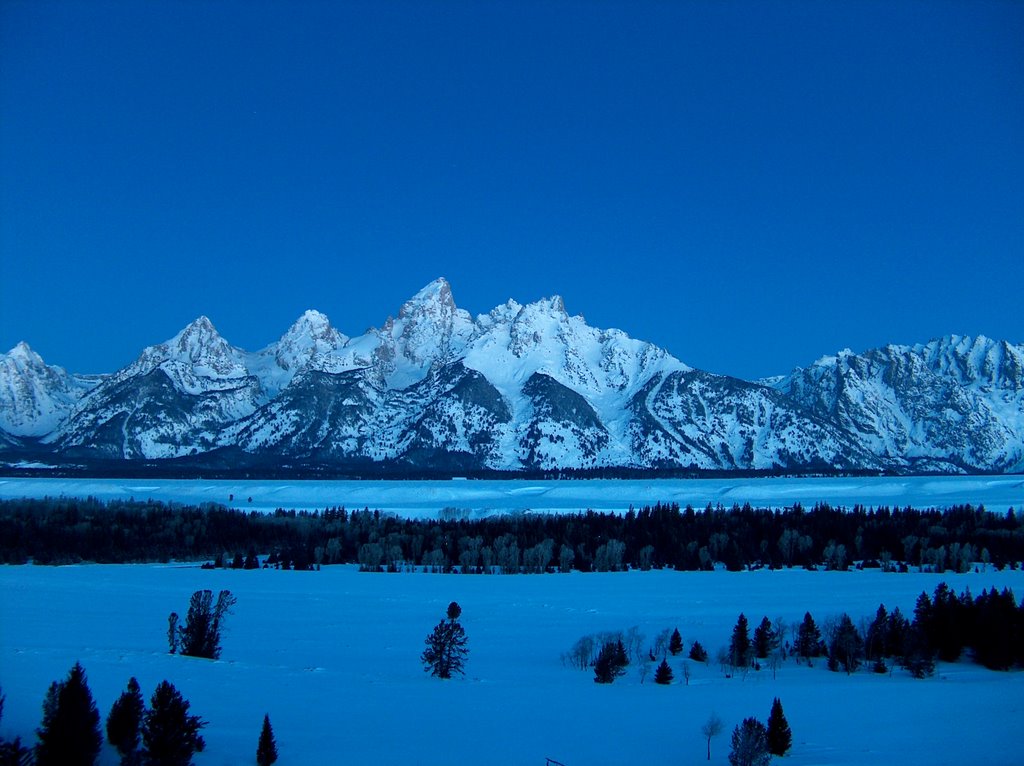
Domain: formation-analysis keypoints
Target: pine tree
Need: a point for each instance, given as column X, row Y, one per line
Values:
column 663, row 675
column 266, row 750
column 675, row 643
column 750, row 744
column 918, row 657
column 698, row 653
column 170, row 736
column 808, row 639
column 780, row 738
column 124, row 722
column 611, row 662
column 739, row 644
column 446, row 646
column 876, row 645
column 764, row 639
column 70, row 732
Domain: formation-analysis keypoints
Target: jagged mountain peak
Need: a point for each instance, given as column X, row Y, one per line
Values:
column 23, row 355
column 525, row 385
column 313, row 326
column 197, row 340
column 312, row 339
column 436, row 296
column 34, row 396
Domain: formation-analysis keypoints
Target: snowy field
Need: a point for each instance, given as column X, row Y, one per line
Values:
column 426, row 498
column 332, row 656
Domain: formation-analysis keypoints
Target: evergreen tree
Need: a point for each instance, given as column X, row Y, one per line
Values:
column 780, row 738
column 611, row 662
column 918, row 657
column 70, row 733
column 12, row 753
column 124, row 722
column 739, row 644
column 764, row 639
column 170, row 735
column 675, row 643
column 698, row 653
column 663, row 675
column 266, row 750
column 446, row 646
column 847, row 647
column 808, row 639
column 876, row 644
column 750, row 744
column 896, row 629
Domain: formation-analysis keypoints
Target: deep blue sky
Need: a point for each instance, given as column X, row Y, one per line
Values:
column 750, row 185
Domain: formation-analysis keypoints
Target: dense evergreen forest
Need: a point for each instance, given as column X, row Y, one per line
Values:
column 68, row 530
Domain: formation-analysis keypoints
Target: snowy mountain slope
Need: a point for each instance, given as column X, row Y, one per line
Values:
column 956, row 402
column 521, row 387
column 34, row 396
column 713, row 421
column 170, row 402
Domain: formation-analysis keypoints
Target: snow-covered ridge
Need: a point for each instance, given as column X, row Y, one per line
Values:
column 36, row 397
column 522, row 386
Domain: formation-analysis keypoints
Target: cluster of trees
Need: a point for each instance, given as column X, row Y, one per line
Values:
column 609, row 653
column 68, row 530
column 943, row 627
column 163, row 734
column 200, row 635
column 753, row 743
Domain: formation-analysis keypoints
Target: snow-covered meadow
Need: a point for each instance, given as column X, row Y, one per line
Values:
column 427, row 498
column 333, row 657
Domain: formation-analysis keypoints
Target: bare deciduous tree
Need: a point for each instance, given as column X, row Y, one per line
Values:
column 712, row 728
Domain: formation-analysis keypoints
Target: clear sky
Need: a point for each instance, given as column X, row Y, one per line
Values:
column 748, row 184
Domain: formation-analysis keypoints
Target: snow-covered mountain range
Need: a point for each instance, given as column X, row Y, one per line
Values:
column 524, row 387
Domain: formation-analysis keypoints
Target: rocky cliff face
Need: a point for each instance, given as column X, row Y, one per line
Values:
column 522, row 387
column 953, row 404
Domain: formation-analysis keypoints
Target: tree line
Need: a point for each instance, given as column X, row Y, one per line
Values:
column 71, row 530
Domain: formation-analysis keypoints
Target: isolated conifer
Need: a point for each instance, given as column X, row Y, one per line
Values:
column 446, row 646
column 266, row 750
column 663, row 675
column 780, row 738
column 698, row 653
column 675, row 643
column 170, row 735
column 124, row 722
column 70, row 732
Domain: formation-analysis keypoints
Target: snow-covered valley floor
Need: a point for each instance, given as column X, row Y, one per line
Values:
column 483, row 497
column 333, row 657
